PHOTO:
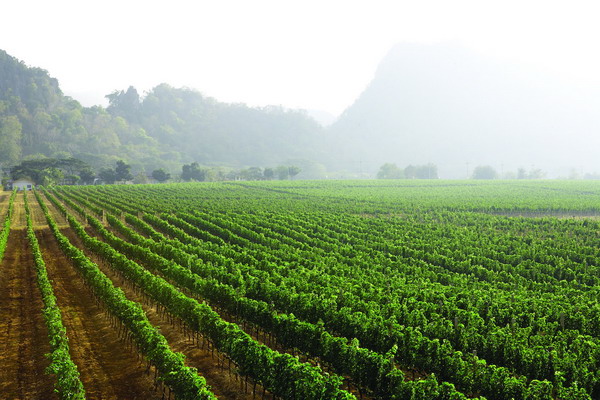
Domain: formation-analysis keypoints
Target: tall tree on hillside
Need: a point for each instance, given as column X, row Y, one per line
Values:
column 390, row 171
column 193, row 172
column 123, row 171
column 293, row 171
column 10, row 140
column 161, row 175
column 124, row 104
column 108, row 175
column 484, row 172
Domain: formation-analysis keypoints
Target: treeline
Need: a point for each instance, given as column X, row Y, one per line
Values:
column 71, row 171
column 194, row 172
column 165, row 128
column 392, row 171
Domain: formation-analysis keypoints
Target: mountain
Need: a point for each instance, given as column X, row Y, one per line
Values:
column 458, row 109
column 212, row 133
column 165, row 129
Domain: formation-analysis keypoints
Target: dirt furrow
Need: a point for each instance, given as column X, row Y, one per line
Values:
column 108, row 368
column 59, row 218
column 23, row 334
column 18, row 220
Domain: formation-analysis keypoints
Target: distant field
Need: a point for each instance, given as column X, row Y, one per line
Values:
column 308, row 290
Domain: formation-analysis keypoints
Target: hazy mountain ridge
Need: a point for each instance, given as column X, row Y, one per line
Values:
column 166, row 128
column 440, row 104
column 450, row 106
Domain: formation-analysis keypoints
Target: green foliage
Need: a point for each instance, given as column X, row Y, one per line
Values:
column 10, row 140
column 193, row 172
column 164, row 129
column 484, row 172
column 184, row 381
column 123, row 171
column 108, row 175
column 161, row 175
column 68, row 385
column 432, row 277
column 428, row 171
column 50, row 171
column 6, row 228
column 390, row 171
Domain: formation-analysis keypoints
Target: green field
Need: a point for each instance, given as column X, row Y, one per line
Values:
column 381, row 289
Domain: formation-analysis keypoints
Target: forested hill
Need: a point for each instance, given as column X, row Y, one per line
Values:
column 166, row 128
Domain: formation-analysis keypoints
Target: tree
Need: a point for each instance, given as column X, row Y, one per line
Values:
column 161, row 175
column 124, row 104
column 123, row 171
column 534, row 173
column 293, row 171
column 484, row 172
column 390, row 171
column 251, row 174
column 52, row 176
column 10, row 140
column 269, row 173
column 108, row 175
column 427, row 171
column 193, row 172
column 282, row 172
column 87, row 176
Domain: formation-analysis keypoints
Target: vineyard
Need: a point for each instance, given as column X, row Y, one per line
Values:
column 302, row 290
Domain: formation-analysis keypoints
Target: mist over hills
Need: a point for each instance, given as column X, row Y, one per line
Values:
column 165, row 128
column 450, row 106
column 440, row 104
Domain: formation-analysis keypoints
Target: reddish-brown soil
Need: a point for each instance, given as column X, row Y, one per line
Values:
column 38, row 219
column 108, row 367
column 18, row 220
column 23, row 334
column 223, row 384
column 57, row 215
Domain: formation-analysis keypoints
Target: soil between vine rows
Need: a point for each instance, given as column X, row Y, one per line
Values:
column 108, row 368
column 23, row 334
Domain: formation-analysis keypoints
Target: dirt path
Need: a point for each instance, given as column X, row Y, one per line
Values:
column 108, row 368
column 222, row 384
column 57, row 215
column 23, row 335
column 38, row 218
column 18, row 217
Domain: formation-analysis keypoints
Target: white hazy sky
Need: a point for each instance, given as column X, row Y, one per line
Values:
column 312, row 54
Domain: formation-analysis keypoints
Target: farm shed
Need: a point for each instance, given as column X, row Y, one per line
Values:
column 23, row 184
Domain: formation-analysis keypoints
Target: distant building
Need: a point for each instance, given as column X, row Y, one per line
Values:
column 23, row 184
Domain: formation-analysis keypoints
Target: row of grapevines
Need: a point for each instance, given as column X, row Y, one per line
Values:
column 6, row 229
column 365, row 367
column 282, row 374
column 487, row 345
column 493, row 370
column 514, row 334
column 68, row 385
column 568, row 357
column 183, row 381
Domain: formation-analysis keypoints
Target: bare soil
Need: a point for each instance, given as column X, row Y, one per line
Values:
column 18, row 220
column 23, row 334
column 109, row 367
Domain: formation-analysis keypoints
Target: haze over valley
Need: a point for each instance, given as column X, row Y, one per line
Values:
column 440, row 104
